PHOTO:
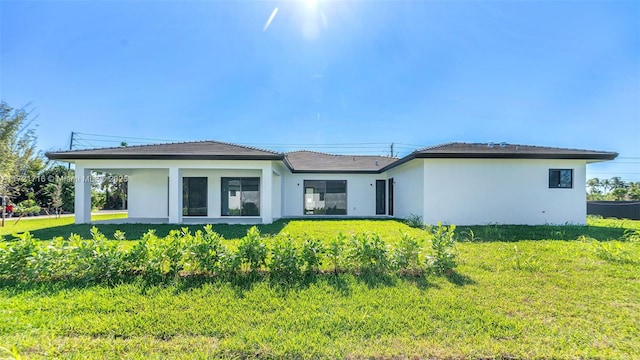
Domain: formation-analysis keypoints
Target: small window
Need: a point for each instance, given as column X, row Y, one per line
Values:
column 560, row 178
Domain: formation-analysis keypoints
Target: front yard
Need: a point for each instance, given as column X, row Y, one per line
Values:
column 518, row 292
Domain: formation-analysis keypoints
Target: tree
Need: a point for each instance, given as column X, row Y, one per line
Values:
column 594, row 186
column 633, row 192
column 19, row 159
column 619, row 194
column 49, row 176
column 55, row 193
column 606, row 185
column 617, row 183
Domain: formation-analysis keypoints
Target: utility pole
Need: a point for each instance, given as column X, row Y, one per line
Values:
column 71, row 145
column 392, row 150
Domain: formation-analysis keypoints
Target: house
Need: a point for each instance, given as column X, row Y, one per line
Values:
column 458, row 183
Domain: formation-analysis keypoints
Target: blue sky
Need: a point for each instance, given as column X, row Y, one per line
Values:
column 360, row 73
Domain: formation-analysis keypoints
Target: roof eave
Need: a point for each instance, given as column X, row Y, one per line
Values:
column 598, row 156
column 335, row 171
column 70, row 157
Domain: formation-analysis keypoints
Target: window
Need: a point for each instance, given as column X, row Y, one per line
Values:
column 325, row 197
column 240, row 197
column 380, row 197
column 560, row 178
column 194, row 196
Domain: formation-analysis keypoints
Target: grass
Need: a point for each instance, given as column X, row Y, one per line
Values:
column 534, row 299
column 596, row 228
column 50, row 226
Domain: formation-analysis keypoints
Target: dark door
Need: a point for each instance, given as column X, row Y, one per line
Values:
column 380, row 197
column 391, row 184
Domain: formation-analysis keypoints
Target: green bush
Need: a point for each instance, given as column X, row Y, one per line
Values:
column 368, row 253
column 335, row 252
column 442, row 257
column 406, row 254
column 16, row 260
column 311, row 254
column 208, row 251
column 27, row 208
column 252, row 252
column 204, row 253
column 414, row 221
column 285, row 259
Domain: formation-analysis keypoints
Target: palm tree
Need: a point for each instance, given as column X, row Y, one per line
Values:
column 594, row 186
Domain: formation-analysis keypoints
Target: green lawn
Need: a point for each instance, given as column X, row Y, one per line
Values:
column 597, row 228
column 517, row 298
column 50, row 226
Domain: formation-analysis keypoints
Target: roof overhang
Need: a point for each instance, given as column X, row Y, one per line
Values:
column 62, row 156
column 604, row 156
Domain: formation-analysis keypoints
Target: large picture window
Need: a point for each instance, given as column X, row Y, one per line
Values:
column 325, row 197
column 240, row 196
column 560, row 178
column 194, row 196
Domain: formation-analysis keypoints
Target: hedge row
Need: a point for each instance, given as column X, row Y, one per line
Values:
column 205, row 252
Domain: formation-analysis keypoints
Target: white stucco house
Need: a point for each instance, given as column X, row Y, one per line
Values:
column 456, row 183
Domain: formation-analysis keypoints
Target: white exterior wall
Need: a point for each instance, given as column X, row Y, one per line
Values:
column 361, row 193
column 502, row 191
column 456, row 191
column 408, row 189
column 148, row 193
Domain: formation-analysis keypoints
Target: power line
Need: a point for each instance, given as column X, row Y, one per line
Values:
column 124, row 137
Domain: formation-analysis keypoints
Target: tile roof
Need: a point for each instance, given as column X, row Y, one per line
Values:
column 311, row 161
column 504, row 150
column 186, row 150
column 460, row 150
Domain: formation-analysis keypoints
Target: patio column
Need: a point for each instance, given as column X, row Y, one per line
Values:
column 266, row 197
column 82, row 201
column 175, row 195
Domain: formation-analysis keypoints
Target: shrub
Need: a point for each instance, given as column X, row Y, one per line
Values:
column 137, row 259
column 165, row 256
column 335, row 251
column 17, row 258
column 119, row 235
column 406, row 254
column 442, row 258
column 311, row 254
column 26, row 208
column 414, row 221
column 98, row 258
column 208, row 251
column 368, row 253
column 285, row 259
column 252, row 252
